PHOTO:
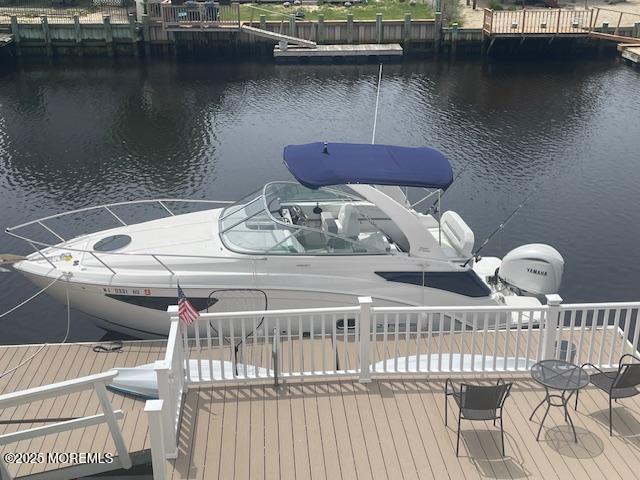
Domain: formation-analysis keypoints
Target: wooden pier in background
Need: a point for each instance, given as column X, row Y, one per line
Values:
column 630, row 52
column 340, row 51
column 553, row 23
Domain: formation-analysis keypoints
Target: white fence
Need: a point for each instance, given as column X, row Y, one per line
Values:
column 108, row 415
column 365, row 341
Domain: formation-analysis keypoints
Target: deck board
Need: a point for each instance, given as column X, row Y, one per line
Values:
column 394, row 427
column 58, row 362
column 412, row 440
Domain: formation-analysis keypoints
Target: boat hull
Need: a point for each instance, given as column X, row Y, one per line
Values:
column 119, row 308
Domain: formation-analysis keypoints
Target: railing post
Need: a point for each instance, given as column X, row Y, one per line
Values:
column 550, row 328
column 169, row 412
column 156, row 437
column 365, row 338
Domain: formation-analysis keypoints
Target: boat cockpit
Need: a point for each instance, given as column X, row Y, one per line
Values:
column 287, row 218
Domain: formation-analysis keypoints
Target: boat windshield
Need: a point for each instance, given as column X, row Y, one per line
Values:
column 287, row 218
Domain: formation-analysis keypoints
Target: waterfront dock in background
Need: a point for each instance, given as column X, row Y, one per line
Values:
column 217, row 30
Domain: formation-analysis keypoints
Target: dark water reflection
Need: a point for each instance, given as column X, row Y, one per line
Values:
column 73, row 136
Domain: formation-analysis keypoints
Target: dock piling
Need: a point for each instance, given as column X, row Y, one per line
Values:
column 350, row 28
column 134, row 34
column 379, row 27
column 263, row 22
column 77, row 34
column 454, row 38
column 146, row 34
column 292, row 25
column 320, row 28
column 438, row 33
column 46, row 35
column 406, row 33
column 108, row 34
column 15, row 31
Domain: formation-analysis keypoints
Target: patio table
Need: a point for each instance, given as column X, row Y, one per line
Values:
column 561, row 376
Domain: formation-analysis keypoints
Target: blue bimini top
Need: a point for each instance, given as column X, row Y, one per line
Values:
column 321, row 164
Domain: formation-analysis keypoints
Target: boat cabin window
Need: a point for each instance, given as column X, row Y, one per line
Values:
column 286, row 218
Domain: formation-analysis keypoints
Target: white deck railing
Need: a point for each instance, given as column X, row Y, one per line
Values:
column 98, row 382
column 365, row 341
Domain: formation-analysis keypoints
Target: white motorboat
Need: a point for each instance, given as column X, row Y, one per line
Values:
column 344, row 230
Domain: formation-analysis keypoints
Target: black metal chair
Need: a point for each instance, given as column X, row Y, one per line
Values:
column 617, row 384
column 477, row 402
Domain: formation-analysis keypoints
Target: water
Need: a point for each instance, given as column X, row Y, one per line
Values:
column 73, row 136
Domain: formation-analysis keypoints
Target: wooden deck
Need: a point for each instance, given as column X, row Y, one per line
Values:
column 393, row 429
column 631, row 53
column 332, row 428
column 56, row 363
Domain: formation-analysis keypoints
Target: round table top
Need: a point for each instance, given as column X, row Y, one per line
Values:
column 559, row 375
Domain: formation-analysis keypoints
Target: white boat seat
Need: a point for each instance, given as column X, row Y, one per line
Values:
column 329, row 223
column 348, row 223
column 457, row 233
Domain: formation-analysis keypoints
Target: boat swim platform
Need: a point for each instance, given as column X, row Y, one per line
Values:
column 60, row 362
column 392, row 428
column 319, row 428
column 390, row 50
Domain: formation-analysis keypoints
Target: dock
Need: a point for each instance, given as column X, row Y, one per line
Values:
column 365, row 402
column 5, row 39
column 388, row 50
column 630, row 53
column 65, row 362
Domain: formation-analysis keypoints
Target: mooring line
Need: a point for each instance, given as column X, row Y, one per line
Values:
column 42, row 347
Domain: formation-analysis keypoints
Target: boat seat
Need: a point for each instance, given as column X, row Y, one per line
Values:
column 348, row 222
column 457, row 233
column 329, row 223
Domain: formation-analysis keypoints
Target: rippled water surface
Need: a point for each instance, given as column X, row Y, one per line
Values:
column 73, row 136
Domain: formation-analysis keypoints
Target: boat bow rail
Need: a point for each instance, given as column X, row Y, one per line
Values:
column 114, row 213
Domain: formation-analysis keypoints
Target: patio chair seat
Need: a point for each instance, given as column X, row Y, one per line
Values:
column 604, row 381
column 618, row 384
column 470, row 413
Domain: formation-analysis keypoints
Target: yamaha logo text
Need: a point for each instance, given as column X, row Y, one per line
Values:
column 535, row 271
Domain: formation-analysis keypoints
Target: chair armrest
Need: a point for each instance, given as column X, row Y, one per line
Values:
column 599, row 370
column 620, row 362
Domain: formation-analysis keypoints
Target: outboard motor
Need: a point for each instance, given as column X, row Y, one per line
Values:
column 534, row 269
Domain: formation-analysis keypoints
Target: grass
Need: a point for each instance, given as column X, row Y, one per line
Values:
column 390, row 10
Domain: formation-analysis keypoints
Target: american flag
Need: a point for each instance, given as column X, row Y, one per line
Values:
column 186, row 312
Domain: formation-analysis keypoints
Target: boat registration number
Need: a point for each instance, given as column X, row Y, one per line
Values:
column 127, row 291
